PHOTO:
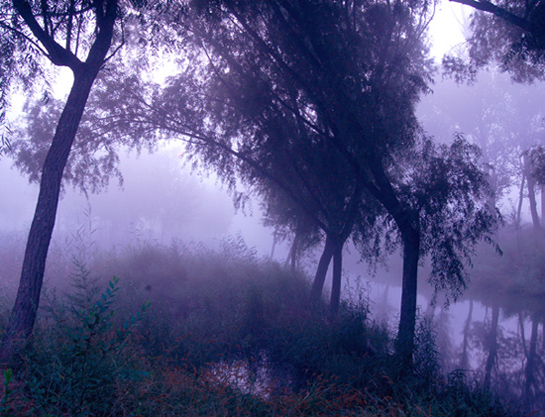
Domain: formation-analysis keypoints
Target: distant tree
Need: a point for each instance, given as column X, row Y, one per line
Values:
column 77, row 35
column 536, row 156
column 508, row 32
column 464, row 355
column 289, row 221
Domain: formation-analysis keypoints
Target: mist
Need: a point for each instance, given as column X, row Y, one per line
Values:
column 256, row 279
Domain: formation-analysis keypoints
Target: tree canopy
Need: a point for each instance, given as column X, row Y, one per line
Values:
column 509, row 33
column 311, row 103
column 315, row 99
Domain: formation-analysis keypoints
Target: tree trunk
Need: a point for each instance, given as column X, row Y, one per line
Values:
column 530, row 364
column 292, row 255
column 407, row 322
column 492, row 343
column 26, row 304
column 23, row 315
column 531, row 192
column 464, row 361
column 273, row 247
column 520, row 201
column 321, row 272
column 337, row 278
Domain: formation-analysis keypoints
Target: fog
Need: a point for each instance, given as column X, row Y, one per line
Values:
column 163, row 202
column 161, row 199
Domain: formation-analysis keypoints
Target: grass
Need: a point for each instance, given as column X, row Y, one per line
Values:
column 186, row 331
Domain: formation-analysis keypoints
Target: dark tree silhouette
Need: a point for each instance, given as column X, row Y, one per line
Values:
column 508, row 32
column 66, row 22
column 316, row 98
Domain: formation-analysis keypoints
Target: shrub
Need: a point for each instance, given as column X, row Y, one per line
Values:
column 79, row 355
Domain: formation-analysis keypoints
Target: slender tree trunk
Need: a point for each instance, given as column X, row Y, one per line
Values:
column 521, row 199
column 531, row 192
column 531, row 363
column 323, row 265
column 273, row 247
column 464, row 361
column 25, row 309
column 23, row 315
column 337, row 278
column 492, row 343
column 407, row 322
column 292, row 256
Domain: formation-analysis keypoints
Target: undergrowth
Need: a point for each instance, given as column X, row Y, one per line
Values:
column 192, row 332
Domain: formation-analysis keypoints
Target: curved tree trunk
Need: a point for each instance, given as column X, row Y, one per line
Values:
column 23, row 315
column 407, row 222
column 323, row 265
column 25, row 309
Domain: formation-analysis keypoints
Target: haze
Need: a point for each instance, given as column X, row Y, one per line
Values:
column 163, row 216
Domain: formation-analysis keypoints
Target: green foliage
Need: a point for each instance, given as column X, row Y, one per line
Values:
column 81, row 356
column 8, row 377
column 234, row 335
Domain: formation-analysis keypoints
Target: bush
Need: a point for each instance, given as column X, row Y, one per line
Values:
column 79, row 354
column 228, row 334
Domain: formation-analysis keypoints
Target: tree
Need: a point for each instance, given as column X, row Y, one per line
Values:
column 68, row 31
column 288, row 163
column 356, row 81
column 316, row 99
column 342, row 62
column 511, row 33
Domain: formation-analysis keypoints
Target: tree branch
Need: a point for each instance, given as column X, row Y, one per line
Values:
column 486, row 6
column 56, row 53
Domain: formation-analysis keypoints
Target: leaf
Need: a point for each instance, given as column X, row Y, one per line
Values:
column 8, row 376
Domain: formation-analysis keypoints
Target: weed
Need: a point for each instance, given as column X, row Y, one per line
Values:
column 229, row 334
column 82, row 359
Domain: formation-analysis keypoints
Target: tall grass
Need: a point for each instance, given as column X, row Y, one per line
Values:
column 190, row 331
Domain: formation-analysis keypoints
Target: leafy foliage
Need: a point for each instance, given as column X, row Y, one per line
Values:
column 456, row 209
column 73, row 374
column 208, row 342
column 512, row 36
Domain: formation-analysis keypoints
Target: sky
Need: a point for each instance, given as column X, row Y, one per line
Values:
column 446, row 28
